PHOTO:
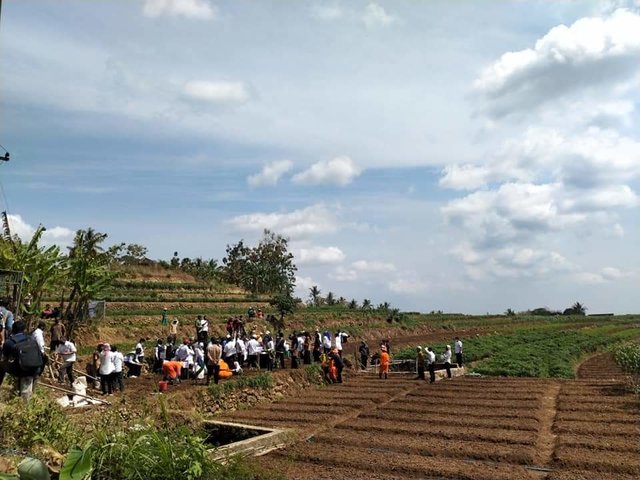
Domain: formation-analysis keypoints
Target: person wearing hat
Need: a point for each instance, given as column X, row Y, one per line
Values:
column 431, row 364
column 165, row 318
column 420, row 363
column 384, row 362
column 446, row 358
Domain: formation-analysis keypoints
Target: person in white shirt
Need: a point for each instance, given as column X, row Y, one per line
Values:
column 229, row 351
column 338, row 342
column 270, row 349
column 203, row 331
column 326, row 341
column 38, row 335
column 446, row 358
column 457, row 346
column 118, row 363
column 431, row 364
column 140, row 350
column 252, row 351
column 67, row 353
column 241, row 351
column 106, row 370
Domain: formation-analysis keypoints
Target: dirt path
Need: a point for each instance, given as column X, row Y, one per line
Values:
column 546, row 443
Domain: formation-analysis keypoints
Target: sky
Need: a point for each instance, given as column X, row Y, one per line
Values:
column 467, row 156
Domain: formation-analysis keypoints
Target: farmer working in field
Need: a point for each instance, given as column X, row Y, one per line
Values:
column 420, row 363
column 385, row 360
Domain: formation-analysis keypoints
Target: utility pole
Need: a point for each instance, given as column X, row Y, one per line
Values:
column 6, row 156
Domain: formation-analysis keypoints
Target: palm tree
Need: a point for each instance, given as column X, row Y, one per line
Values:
column 510, row 313
column 384, row 306
column 314, row 295
column 342, row 301
column 353, row 304
column 366, row 304
column 330, row 299
column 579, row 309
column 89, row 274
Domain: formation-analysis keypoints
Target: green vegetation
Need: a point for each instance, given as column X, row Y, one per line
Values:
column 628, row 357
column 546, row 351
column 115, row 448
column 261, row 381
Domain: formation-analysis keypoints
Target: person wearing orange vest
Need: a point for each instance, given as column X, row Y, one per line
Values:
column 384, row 362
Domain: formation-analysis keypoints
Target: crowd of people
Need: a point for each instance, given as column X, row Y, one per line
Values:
column 198, row 357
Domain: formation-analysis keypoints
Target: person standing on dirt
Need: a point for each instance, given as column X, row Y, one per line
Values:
column 317, row 346
column 457, row 346
column 204, row 330
column 446, row 358
column 118, row 365
column 22, row 360
column 57, row 333
column 106, row 369
column 165, row 318
column 38, row 335
column 338, row 363
column 306, row 356
column 214, row 353
column 230, row 351
column 66, row 352
column 159, row 356
column 280, row 350
column 326, row 341
column 420, row 363
column 140, row 351
column 385, row 360
column 431, row 364
column 253, row 350
column 363, row 350
column 173, row 331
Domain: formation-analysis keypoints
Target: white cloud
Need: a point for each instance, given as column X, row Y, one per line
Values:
column 304, row 283
column 327, row 12
column 319, row 256
column 305, row 222
column 196, row 9
column 373, row 266
column 61, row 236
column 222, row 93
column 342, row 274
column 270, row 173
column 592, row 51
column 509, row 262
column 376, row 16
column 408, row 285
column 338, row 171
column 588, row 278
column 593, row 157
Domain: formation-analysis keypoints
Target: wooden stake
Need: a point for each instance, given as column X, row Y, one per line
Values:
column 74, row 393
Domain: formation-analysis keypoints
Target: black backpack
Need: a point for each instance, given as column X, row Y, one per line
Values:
column 29, row 356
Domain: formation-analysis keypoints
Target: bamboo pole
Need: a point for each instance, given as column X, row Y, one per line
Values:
column 74, row 393
column 84, row 374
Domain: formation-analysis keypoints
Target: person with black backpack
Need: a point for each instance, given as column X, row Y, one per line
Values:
column 24, row 360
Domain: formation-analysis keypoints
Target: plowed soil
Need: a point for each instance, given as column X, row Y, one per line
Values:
column 468, row 428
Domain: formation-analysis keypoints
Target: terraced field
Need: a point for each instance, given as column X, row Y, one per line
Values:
column 469, row 428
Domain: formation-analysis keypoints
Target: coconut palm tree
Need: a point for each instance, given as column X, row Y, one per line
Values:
column 353, row 304
column 366, row 304
column 314, row 295
column 330, row 299
column 579, row 309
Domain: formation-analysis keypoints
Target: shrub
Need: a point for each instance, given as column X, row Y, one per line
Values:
column 39, row 422
column 628, row 357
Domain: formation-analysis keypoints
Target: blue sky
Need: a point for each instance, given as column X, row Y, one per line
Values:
column 462, row 156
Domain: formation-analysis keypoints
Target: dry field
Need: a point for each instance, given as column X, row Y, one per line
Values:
column 468, row 428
